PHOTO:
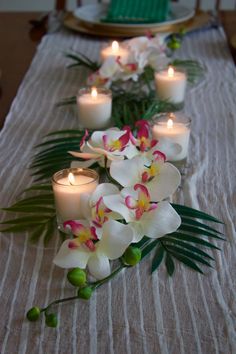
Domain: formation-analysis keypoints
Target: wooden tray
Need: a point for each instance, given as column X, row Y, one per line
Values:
column 199, row 20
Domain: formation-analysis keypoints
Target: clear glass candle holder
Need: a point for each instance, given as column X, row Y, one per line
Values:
column 171, row 86
column 72, row 188
column 94, row 107
column 172, row 130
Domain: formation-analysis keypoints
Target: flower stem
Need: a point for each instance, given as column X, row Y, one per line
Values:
column 94, row 285
column 58, row 302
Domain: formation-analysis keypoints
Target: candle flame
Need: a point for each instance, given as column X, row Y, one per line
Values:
column 115, row 46
column 170, row 124
column 71, row 178
column 171, row 71
column 94, row 92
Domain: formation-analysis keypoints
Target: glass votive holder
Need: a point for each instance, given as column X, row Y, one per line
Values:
column 172, row 130
column 94, row 107
column 171, row 86
column 71, row 189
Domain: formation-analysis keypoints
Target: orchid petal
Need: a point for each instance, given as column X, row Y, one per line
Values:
column 82, row 164
column 97, row 137
column 116, row 238
column 71, row 258
column 102, row 190
column 135, row 167
column 160, row 221
column 118, row 171
column 164, row 183
column 84, row 155
column 117, row 204
column 99, row 265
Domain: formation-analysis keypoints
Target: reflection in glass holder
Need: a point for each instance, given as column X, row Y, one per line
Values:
column 172, row 132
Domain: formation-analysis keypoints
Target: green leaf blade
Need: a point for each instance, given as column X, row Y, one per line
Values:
column 158, row 258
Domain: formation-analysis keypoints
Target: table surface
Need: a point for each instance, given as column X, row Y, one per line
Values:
column 136, row 313
column 18, row 48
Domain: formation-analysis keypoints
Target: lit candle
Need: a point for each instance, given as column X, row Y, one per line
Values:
column 115, row 50
column 71, row 188
column 175, row 130
column 94, row 107
column 171, row 85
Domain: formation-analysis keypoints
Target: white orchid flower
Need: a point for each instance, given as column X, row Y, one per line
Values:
column 109, row 67
column 153, row 220
column 85, row 250
column 113, row 144
column 96, row 211
column 160, row 177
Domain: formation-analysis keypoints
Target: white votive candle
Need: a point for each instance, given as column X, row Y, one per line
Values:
column 71, row 188
column 171, row 85
column 175, row 130
column 94, row 107
column 115, row 51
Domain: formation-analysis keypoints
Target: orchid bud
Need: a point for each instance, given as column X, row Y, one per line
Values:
column 33, row 314
column 77, row 277
column 85, row 292
column 174, row 44
column 132, row 255
column 51, row 320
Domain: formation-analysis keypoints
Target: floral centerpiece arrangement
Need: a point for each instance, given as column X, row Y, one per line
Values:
column 129, row 215
column 133, row 73
column 124, row 219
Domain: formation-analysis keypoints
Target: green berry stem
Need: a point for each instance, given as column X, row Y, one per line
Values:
column 94, row 285
column 98, row 283
column 58, row 302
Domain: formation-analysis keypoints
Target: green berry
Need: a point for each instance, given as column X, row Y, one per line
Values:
column 132, row 255
column 51, row 320
column 33, row 314
column 85, row 292
column 174, row 44
column 77, row 277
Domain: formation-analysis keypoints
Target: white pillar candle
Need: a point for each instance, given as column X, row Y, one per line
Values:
column 171, row 85
column 115, row 50
column 71, row 188
column 173, row 130
column 94, row 107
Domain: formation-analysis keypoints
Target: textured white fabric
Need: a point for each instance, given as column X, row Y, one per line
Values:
column 136, row 313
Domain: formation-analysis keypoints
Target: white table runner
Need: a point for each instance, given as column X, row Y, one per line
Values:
column 135, row 313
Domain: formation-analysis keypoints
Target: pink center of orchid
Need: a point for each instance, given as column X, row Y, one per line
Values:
column 128, row 68
column 142, row 204
column 83, row 235
column 145, row 141
column 154, row 169
column 116, row 145
column 100, row 212
column 83, row 140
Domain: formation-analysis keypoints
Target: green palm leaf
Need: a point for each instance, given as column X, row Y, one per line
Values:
column 192, row 239
column 186, row 253
column 199, row 224
column 187, row 261
column 199, row 231
column 158, row 258
column 149, row 248
column 169, row 263
column 190, row 212
column 187, row 246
